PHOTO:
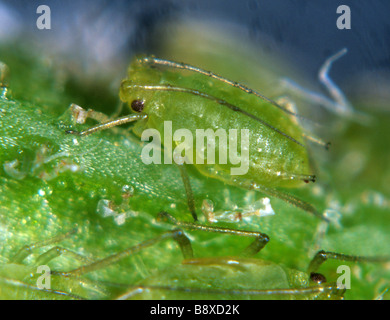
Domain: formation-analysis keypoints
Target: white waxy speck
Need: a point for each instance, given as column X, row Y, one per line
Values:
column 103, row 208
column 264, row 207
column 120, row 219
column 74, row 167
column 334, row 216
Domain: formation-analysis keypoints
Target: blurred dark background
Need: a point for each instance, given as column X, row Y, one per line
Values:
column 102, row 34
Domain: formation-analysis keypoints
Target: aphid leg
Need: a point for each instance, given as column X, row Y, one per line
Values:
column 303, row 177
column 109, row 124
column 25, row 251
column 20, row 284
column 177, row 235
column 189, row 193
column 287, row 292
column 259, row 243
column 290, row 105
column 80, row 115
column 44, row 259
column 57, row 251
column 288, row 198
column 380, row 296
column 322, row 256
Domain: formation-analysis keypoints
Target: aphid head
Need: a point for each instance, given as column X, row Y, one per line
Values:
column 138, row 97
column 135, row 90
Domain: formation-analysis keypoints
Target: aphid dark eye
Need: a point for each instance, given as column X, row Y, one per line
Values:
column 317, row 277
column 137, row 105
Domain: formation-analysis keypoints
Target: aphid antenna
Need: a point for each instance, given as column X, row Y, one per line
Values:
column 212, row 98
column 26, row 250
column 180, row 65
column 318, row 141
column 19, row 284
column 176, row 235
column 322, row 256
column 315, row 289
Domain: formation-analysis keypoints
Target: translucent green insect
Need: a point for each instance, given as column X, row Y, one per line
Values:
column 27, row 281
column 274, row 154
column 257, row 278
column 194, row 278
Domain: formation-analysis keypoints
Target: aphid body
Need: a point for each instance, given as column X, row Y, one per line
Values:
column 193, row 99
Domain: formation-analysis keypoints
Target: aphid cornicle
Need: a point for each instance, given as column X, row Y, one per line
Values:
column 159, row 90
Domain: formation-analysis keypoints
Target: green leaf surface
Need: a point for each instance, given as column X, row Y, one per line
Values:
column 52, row 183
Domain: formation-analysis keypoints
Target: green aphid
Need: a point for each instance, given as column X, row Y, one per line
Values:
column 196, row 99
column 273, row 143
column 202, row 278
column 22, row 280
column 194, row 278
